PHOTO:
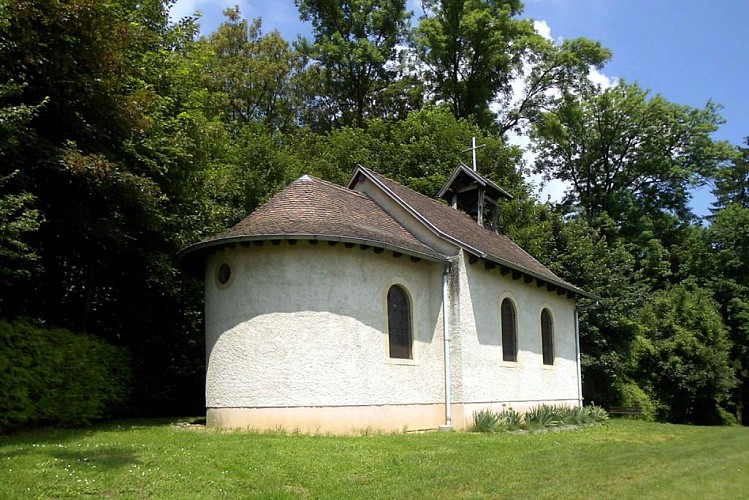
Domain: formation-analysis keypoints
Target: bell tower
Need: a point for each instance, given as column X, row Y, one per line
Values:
column 474, row 194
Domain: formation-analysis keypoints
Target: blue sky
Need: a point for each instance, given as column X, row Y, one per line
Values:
column 689, row 51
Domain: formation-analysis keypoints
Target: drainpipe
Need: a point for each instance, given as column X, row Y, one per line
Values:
column 577, row 352
column 446, row 336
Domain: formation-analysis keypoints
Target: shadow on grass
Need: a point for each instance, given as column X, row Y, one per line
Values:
column 57, row 442
column 104, row 458
column 49, row 436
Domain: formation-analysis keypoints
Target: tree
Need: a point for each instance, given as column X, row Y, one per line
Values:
column 627, row 155
column 472, row 50
column 96, row 75
column 356, row 52
column 419, row 152
column 19, row 216
column 548, row 69
column 580, row 253
column 732, row 181
column 682, row 356
column 476, row 51
column 255, row 73
column 717, row 258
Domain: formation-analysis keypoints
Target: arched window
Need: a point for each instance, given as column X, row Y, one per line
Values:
column 399, row 323
column 509, row 331
column 547, row 337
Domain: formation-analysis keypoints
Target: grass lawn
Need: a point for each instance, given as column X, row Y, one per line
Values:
column 142, row 459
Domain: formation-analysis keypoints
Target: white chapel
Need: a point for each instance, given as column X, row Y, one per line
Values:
column 371, row 306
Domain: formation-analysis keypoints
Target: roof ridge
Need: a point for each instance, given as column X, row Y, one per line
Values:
column 432, row 200
column 307, row 178
column 334, row 185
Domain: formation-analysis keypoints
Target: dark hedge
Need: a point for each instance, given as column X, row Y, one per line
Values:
column 52, row 376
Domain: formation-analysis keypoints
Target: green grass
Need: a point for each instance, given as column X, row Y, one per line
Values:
column 151, row 459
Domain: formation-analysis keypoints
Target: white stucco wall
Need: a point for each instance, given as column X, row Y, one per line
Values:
column 298, row 338
column 485, row 379
column 305, row 326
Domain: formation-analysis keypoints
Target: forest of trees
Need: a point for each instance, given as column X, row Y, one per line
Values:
column 125, row 136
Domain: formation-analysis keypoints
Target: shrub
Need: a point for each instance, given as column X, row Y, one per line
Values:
column 682, row 356
column 543, row 416
column 631, row 394
column 491, row 421
column 485, row 421
column 512, row 419
column 57, row 377
column 596, row 414
column 581, row 416
column 539, row 417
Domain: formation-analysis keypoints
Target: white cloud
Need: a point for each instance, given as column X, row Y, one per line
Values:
column 183, row 8
column 601, row 79
column 543, row 29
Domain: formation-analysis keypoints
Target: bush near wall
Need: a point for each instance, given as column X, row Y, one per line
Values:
column 58, row 377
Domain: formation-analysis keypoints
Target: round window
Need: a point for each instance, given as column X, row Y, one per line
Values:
column 223, row 274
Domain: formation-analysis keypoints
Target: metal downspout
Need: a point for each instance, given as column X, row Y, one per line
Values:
column 577, row 353
column 446, row 337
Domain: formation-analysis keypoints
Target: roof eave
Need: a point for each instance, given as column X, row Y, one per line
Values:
column 184, row 255
column 540, row 277
column 449, row 181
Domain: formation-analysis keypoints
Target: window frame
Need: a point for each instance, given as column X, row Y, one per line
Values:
column 507, row 338
column 406, row 320
column 224, row 262
column 547, row 344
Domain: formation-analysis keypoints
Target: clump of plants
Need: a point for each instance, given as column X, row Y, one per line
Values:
column 491, row 421
column 544, row 416
column 539, row 417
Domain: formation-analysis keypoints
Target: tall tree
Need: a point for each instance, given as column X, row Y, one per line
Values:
column 580, row 253
column 477, row 51
column 732, row 181
column 355, row 49
column 97, row 76
column 19, row 216
column 420, row 151
column 549, row 69
column 472, row 49
column 627, row 155
column 255, row 72
column 717, row 257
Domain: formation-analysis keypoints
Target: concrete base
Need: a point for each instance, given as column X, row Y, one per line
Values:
column 330, row 420
column 360, row 419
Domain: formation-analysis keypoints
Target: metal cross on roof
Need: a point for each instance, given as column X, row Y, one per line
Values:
column 473, row 149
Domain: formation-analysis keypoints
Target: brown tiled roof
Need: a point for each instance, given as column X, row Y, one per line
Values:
column 310, row 208
column 464, row 231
